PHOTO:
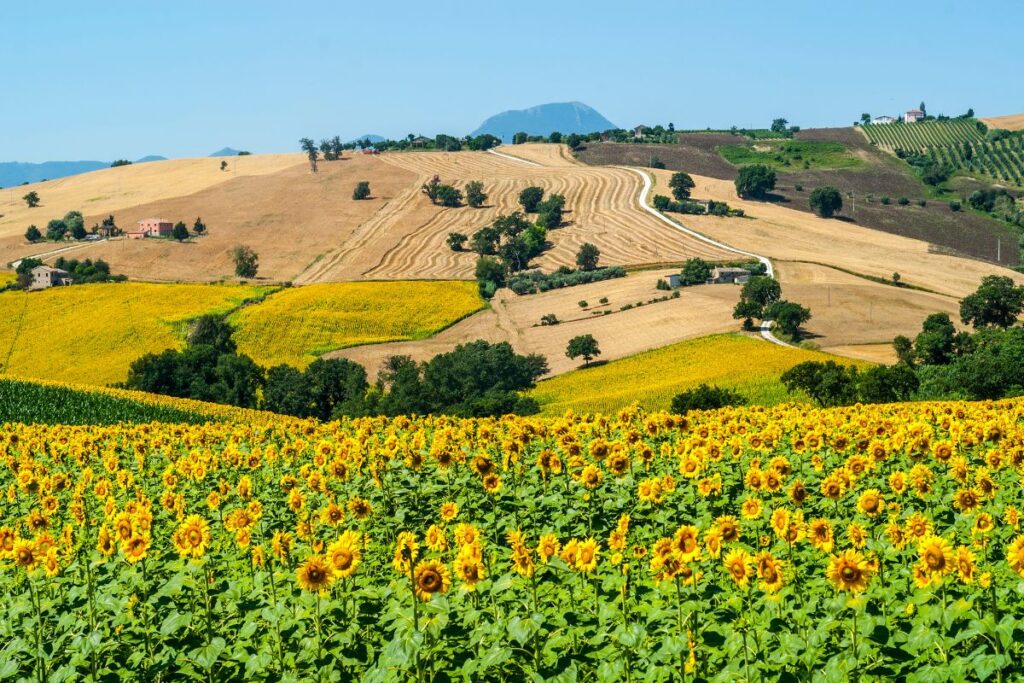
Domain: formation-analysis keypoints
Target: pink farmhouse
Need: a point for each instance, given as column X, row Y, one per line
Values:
column 151, row 227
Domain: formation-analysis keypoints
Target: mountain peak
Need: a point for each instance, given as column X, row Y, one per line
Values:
column 544, row 119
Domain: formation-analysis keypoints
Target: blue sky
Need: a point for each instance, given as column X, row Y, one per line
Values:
column 126, row 79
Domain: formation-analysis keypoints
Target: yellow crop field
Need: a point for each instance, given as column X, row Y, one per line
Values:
column 7, row 277
column 749, row 366
column 297, row 325
column 90, row 334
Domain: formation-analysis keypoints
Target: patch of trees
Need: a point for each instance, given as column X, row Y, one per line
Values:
column 696, row 271
column 441, row 141
column 681, row 184
column 663, row 203
column 826, row 201
column 781, row 127
column 705, row 397
column 755, row 182
column 441, row 193
column 87, row 271
column 535, row 281
column 999, row 203
column 475, row 195
column 761, row 298
column 247, row 261
column 830, row 384
column 362, row 190
column 474, row 380
column 504, row 247
column 120, row 162
column 31, row 199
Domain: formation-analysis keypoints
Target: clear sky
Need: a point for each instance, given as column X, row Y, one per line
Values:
column 111, row 79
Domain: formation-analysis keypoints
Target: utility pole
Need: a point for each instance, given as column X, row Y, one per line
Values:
column 999, row 250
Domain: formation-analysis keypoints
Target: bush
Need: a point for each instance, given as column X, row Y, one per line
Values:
column 531, row 283
column 449, row 196
column 362, row 190
column 530, row 197
column 582, row 303
column 826, row 201
column 902, row 201
column 798, row 187
column 922, row 203
column 549, row 319
column 705, row 397
column 955, row 205
column 755, row 181
column 456, row 241
column 885, row 200
column 663, row 284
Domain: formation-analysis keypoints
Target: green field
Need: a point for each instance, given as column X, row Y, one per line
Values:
column 791, row 154
column 918, row 136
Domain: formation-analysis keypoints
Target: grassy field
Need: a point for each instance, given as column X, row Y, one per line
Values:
column 787, row 154
column 90, row 334
column 750, row 366
column 297, row 325
column 42, row 402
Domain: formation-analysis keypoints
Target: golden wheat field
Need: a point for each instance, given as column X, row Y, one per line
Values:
column 297, row 325
column 746, row 544
column 90, row 334
column 748, row 365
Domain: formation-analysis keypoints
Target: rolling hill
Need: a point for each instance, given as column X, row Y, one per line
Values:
column 564, row 117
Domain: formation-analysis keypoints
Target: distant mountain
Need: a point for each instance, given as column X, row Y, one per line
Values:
column 17, row 172
column 226, row 152
column 544, row 119
column 151, row 157
column 372, row 138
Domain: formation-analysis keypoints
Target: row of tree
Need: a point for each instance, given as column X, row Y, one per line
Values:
column 475, row 379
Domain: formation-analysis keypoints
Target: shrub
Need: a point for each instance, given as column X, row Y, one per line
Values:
column 583, row 303
column 885, row 200
column 362, row 190
column 755, row 181
column 548, row 319
column 955, row 205
column 826, row 201
column 663, row 284
column 922, row 203
column 705, row 397
column 798, row 187
column 456, row 241
column 902, row 201
column 449, row 196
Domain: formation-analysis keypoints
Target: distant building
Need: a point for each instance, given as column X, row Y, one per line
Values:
column 913, row 116
column 640, row 131
column 729, row 275
column 420, row 141
column 883, row 119
column 151, row 227
column 673, row 281
column 44, row 277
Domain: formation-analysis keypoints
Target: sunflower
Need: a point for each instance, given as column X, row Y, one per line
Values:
column 751, row 508
column 135, row 548
column 344, row 557
column 24, row 553
column 104, row 543
column 936, row 555
column 586, row 556
column 898, row 482
column 470, row 570
column 1015, row 555
column 315, row 575
column 492, row 483
column 591, row 477
column 360, row 508
column 50, row 562
column 7, row 538
column 728, row 527
column 435, row 539
column 820, row 534
column 871, row 503
column 769, row 570
column 918, row 526
column 966, row 500
column 737, row 563
column 685, row 543
column 857, row 535
column 713, row 542
column 780, row 521
column 406, row 552
column 965, row 564
column 449, row 511
column 192, row 537
column 547, row 547
column 849, row 571
column 431, row 577
column 466, row 534
column 618, row 464
column 983, row 523
column 332, row 515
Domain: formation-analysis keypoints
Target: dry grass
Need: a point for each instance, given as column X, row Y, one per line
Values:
column 90, row 334
column 697, row 312
column 747, row 365
column 1011, row 122
column 296, row 325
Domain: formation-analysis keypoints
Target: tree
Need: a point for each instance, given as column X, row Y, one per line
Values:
column 705, row 397
column 935, row 344
column 758, row 293
column 555, row 137
column 828, row 384
column 32, row 234
column 475, row 196
column 32, row 199
column 519, row 138
column 696, row 271
column 336, row 387
column 212, row 330
column 826, row 201
column 223, row 165
column 574, row 141
column 887, row 384
column 865, row 118
column 247, row 262
column 998, row 302
column 661, row 202
column 362, row 190
column 779, row 125
column 55, row 230
column 490, row 275
column 24, row 271
column 587, row 257
column 449, row 196
column 549, row 211
column 75, row 224
column 286, row 391
column 312, row 153
column 430, row 188
column 199, row 227
column 904, row 348
column 179, row 231
column 788, row 316
column 456, row 241
column 530, row 197
column 681, row 184
column 584, row 346
column 755, row 181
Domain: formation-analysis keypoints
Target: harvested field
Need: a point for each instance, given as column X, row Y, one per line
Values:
column 698, row 311
column 880, row 175
column 290, row 218
column 90, row 334
column 296, row 325
column 783, row 233
column 849, row 310
column 406, row 239
column 881, row 354
column 747, row 365
column 1011, row 122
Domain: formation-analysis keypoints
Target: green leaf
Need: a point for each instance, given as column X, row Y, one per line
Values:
column 207, row 655
column 174, row 622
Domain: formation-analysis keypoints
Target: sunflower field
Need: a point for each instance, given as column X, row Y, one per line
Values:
column 782, row 543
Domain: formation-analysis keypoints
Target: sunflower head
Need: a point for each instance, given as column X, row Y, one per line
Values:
column 431, row 578
column 315, row 575
column 849, row 571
